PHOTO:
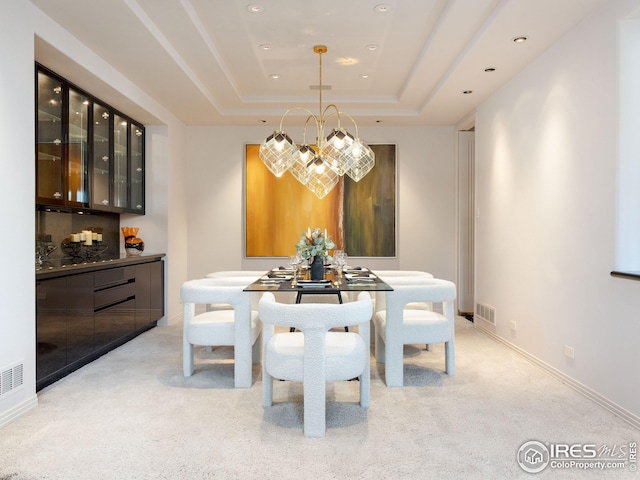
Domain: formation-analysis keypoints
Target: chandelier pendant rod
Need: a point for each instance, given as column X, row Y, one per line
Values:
column 320, row 49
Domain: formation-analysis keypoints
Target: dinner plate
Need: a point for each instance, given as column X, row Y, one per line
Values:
column 356, row 269
column 366, row 277
column 276, row 278
column 314, row 283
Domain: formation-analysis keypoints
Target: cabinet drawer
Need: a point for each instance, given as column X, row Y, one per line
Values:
column 114, row 276
column 114, row 295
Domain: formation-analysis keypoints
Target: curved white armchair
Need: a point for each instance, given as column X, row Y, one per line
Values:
column 396, row 325
column 238, row 326
column 315, row 355
column 384, row 274
column 251, row 275
column 240, row 276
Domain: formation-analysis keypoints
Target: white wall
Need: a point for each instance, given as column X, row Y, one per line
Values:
column 426, row 198
column 17, row 187
column 546, row 155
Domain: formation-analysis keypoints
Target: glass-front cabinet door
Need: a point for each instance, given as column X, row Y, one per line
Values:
column 88, row 155
column 49, row 141
column 77, row 149
column 101, row 159
column 120, row 162
column 137, row 169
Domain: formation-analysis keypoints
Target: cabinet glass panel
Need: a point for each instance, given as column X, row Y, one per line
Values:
column 101, row 193
column 50, row 137
column 120, row 129
column 137, row 168
column 77, row 165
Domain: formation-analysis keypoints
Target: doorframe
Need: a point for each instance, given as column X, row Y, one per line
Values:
column 465, row 219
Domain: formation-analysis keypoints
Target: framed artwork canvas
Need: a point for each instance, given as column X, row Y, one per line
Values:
column 360, row 217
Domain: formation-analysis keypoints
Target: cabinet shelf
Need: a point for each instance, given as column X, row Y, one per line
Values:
column 45, row 116
column 48, row 157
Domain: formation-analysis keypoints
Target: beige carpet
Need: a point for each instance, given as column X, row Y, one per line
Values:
column 132, row 415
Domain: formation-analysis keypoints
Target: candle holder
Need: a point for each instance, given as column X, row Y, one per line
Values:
column 83, row 251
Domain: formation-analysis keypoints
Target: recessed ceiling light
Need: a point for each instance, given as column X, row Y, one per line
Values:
column 347, row 61
column 378, row 121
column 519, row 39
column 372, row 47
column 274, row 76
column 255, row 8
column 382, row 8
column 468, row 92
column 490, row 69
column 364, row 75
column 265, row 46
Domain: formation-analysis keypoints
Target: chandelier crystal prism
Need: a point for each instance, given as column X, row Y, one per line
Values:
column 320, row 166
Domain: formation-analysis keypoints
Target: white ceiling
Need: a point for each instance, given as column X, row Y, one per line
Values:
column 202, row 59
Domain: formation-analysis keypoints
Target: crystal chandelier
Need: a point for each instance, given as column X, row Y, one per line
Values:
column 320, row 166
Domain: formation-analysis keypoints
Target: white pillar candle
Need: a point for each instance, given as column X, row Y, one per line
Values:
column 88, row 237
column 99, row 237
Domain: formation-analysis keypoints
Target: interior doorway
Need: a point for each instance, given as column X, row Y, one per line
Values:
column 466, row 209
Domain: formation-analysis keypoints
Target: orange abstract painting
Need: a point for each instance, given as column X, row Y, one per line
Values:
column 279, row 210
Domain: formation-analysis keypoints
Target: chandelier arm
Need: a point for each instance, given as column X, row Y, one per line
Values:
column 355, row 125
column 325, row 117
column 297, row 108
column 304, row 131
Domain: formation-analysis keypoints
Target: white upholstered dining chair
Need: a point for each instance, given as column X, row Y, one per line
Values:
column 389, row 275
column 237, row 326
column 314, row 355
column 396, row 325
column 244, row 276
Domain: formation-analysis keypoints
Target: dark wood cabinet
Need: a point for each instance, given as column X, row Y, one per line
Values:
column 51, row 326
column 82, row 316
column 88, row 155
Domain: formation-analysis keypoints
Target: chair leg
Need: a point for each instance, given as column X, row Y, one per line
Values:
column 256, row 352
column 379, row 348
column 394, row 365
column 242, row 357
column 450, row 359
column 365, row 387
column 267, row 388
column 314, row 408
column 187, row 359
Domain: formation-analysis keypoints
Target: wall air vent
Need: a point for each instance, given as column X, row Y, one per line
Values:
column 11, row 378
column 486, row 313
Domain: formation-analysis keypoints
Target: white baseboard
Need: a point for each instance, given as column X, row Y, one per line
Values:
column 20, row 409
column 592, row 395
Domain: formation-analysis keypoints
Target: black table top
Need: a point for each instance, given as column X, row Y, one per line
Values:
column 357, row 280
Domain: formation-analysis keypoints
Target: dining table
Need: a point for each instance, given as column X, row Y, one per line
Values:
column 350, row 279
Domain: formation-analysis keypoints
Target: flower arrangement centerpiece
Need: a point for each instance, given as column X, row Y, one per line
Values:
column 314, row 245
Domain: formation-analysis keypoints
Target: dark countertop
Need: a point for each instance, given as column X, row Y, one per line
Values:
column 625, row 274
column 56, row 270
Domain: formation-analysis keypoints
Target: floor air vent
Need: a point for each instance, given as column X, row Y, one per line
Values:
column 486, row 313
column 11, row 378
